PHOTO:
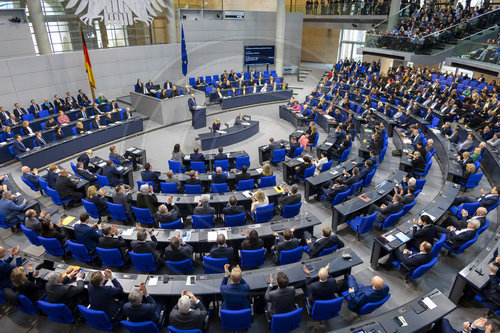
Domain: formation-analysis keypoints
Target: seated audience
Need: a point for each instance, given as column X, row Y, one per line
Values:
column 147, row 199
column 282, row 299
column 178, row 250
column 290, row 197
column 85, row 234
column 360, row 295
column 221, row 250
column 259, row 199
column 235, row 294
column 142, row 245
column 189, row 313
column 6, row 268
column 485, row 200
column 106, row 298
column 58, row 289
column 148, row 175
column 11, row 211
column 204, row 208
column 67, row 189
column 232, row 207
column 323, row 289
column 29, row 285
column 252, row 241
column 98, row 199
column 141, row 306
column 327, row 240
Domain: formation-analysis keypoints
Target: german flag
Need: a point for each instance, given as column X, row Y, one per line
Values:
column 88, row 66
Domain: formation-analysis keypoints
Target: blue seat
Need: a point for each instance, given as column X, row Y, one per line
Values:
column 245, row 185
column 473, row 180
column 419, row 185
column 267, row 181
column 25, row 305
column 142, row 327
column 324, row 310
column 326, row 166
column 73, row 167
column 391, row 219
column 252, row 258
column 114, row 160
column 52, row 246
column 102, row 180
column 176, row 330
column 172, row 225
column 79, row 251
column 117, row 211
column 11, row 151
column 362, row 224
column 175, row 166
column 110, row 257
column 469, row 207
column 170, row 188
column 140, row 183
column 421, row 270
column 198, row 166
column 180, row 267
column 315, row 143
column 263, row 213
column 203, row 221
column 278, row 155
column 340, row 197
column 291, row 256
column 236, row 320
column 477, row 164
column 235, row 220
column 408, row 207
column 28, row 117
column 192, row 189
column 355, row 187
column 426, row 170
column 345, row 155
column 436, row 248
column 96, row 319
column 143, row 262
column 372, row 306
column 286, row 322
column 328, row 250
column 30, row 184
column 290, row 211
column 31, row 235
column 143, row 215
column 57, row 312
column 298, row 152
column 91, row 208
column 214, row 265
column 218, row 188
column 309, row 172
column 240, row 161
column 368, row 179
column 224, row 164
column 43, row 113
column 464, row 246
column 55, row 197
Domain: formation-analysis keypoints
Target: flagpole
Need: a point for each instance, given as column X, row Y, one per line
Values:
column 90, row 84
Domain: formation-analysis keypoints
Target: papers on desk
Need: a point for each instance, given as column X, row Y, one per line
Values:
column 153, row 281
column 119, row 168
column 130, row 149
column 300, row 159
column 128, row 232
column 390, row 238
column 406, row 141
column 300, row 131
column 328, row 144
column 259, row 170
column 402, row 237
column 137, row 152
column 67, row 220
column 3, row 143
column 212, row 235
column 65, row 124
column 201, row 197
column 187, row 157
column 221, row 132
column 334, row 172
column 247, row 194
column 430, row 304
column 246, row 124
column 209, row 177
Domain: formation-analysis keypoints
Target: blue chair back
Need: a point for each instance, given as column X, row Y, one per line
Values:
column 473, row 180
column 356, row 187
column 477, row 164
column 290, row 211
column 54, row 196
column 419, row 185
column 326, row 166
column 25, row 305
column 426, row 170
column 469, row 207
column 408, row 207
column 203, row 221
column 115, row 161
column 368, row 179
column 192, row 189
column 236, row 320
column 110, row 257
column 28, row 117
column 372, row 306
column 91, row 208
column 43, row 183
column 315, row 139
column 117, row 211
column 419, row 271
column 240, row 161
column 245, row 185
column 340, row 197
column 264, row 213
column 170, row 188
column 31, row 235
column 143, row 215
column 172, row 329
column 328, row 251
column 235, row 220
column 175, row 166
column 140, row 183
column 52, row 246
column 286, row 322
column 367, row 223
column 30, row 184
column 278, row 155
column 391, row 219
column 43, row 113
column 96, row 319
column 180, row 267
column 298, row 152
column 484, row 227
column 291, row 256
column 56, row 312
column 493, row 206
column 224, row 164
column 142, row 327
column 144, row 262
column 345, row 155
column 102, row 180
column 252, row 258
column 309, row 172
column 198, row 166
column 436, row 248
column 79, row 251
column 218, row 188
column 325, row 310
column 214, row 265
column 172, row 225
column 267, row 181
column 73, row 167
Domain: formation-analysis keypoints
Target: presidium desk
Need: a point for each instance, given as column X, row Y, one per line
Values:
column 229, row 136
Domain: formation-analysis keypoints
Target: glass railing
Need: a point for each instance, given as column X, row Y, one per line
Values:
column 343, row 8
column 482, row 47
column 380, row 38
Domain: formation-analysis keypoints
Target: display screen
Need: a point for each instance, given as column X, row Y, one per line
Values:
column 259, row 55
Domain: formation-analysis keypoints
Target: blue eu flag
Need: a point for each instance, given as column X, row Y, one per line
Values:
column 184, row 55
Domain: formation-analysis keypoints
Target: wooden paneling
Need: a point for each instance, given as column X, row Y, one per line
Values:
column 320, row 45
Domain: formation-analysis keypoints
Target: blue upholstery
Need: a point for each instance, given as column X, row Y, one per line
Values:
column 57, row 312
column 180, row 267
column 172, row 225
column 52, row 246
column 426, row 170
column 355, row 188
column 142, row 327
column 245, row 185
column 168, row 187
column 290, row 211
column 408, row 207
column 252, row 258
column 140, row 183
column 362, row 224
column 31, row 235
column 102, row 180
column 419, row 185
column 79, row 251
column 192, row 189
column 464, row 246
column 340, row 197
column 143, row 215
column 419, row 271
column 96, row 319
column 298, row 152
column 326, row 166
column 372, row 306
column 218, row 188
column 176, row 330
column 175, row 166
column 236, row 320
column 286, row 322
column 224, row 164
column 436, row 248
column 25, row 305
column 55, row 197
column 469, row 207
column 267, row 181
column 309, row 172
column 264, row 213
column 235, row 220
column 291, row 256
column 110, row 257
column 473, row 180
column 328, row 251
column 198, row 166
column 91, row 208
column 345, row 155
column 30, row 184
column 203, row 221
column 214, row 265
column 278, row 155
column 368, row 179
column 143, row 262
column 325, row 310
column 117, row 211
column 240, row 161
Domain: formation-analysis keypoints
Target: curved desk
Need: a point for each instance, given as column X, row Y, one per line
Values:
column 231, row 136
column 258, row 98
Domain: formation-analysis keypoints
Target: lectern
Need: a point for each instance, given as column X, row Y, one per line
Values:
column 199, row 117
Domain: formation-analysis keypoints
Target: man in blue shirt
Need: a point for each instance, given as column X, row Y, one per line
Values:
column 85, row 234
column 11, row 211
column 234, row 294
column 359, row 296
column 5, row 266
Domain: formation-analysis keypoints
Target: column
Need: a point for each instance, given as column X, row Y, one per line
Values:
column 393, row 18
column 280, row 36
column 38, row 21
column 171, row 27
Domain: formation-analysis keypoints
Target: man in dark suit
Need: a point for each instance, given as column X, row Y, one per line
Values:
column 365, row 169
column 189, row 313
column 412, row 260
column 282, row 299
column 108, row 239
column 167, row 85
column 485, row 199
column 333, row 188
column 192, row 103
column 104, row 298
column 222, row 250
column 148, row 175
column 96, row 123
column 232, row 207
column 461, row 223
column 58, row 100
column 123, row 196
column 423, row 231
column 464, row 160
column 327, row 240
column 122, row 160
column 147, row 199
column 294, row 145
column 285, row 242
column 385, row 210
column 66, row 187
column 244, row 175
column 477, row 326
column 196, row 155
column 321, row 290
column 141, row 306
column 34, row 108
column 80, row 171
column 85, row 234
column 235, row 294
column 240, row 119
column 19, row 112
column 142, row 245
column 220, row 155
column 31, row 176
column 166, row 215
column 18, row 147
column 290, row 197
column 204, row 208
column 58, row 290
column 219, row 177
column 360, row 295
column 39, row 140
column 109, row 171
column 80, row 96
column 85, row 158
column 4, row 115
column 178, row 250
column 270, row 148
column 456, row 238
column 5, row 266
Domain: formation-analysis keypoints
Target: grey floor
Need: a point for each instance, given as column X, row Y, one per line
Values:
column 159, row 142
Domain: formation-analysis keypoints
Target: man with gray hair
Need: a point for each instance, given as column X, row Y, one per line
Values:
column 456, row 238
column 142, row 245
column 189, row 313
column 141, row 306
column 147, row 199
column 204, row 208
column 10, row 210
column 219, row 177
column 58, row 290
column 167, row 214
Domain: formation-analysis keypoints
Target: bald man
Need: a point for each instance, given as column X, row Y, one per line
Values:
column 360, row 295
column 323, row 289
column 219, row 177
column 480, row 215
column 31, row 176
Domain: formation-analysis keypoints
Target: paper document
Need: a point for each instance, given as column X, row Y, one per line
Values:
column 300, row 159
column 259, row 170
column 221, row 132
column 212, row 236
column 402, row 237
column 246, row 124
column 430, row 304
column 407, row 141
column 153, row 281
column 128, row 232
column 67, row 220
column 390, row 238
column 328, row 144
column 247, row 194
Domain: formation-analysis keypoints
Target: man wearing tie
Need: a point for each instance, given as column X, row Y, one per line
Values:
column 80, row 96
column 5, row 115
column 39, row 140
column 192, row 104
column 19, row 111
column 82, row 113
column 254, row 89
column 167, row 85
column 18, row 147
column 144, row 89
column 34, row 108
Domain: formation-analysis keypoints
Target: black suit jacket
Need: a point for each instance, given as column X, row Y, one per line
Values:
column 65, row 187
column 112, row 174
column 290, row 199
column 86, row 175
column 40, row 142
column 317, row 246
column 410, row 262
column 146, row 247
column 281, row 245
column 223, row 252
column 455, row 240
column 184, row 252
column 113, row 243
column 85, row 159
column 194, row 319
column 319, row 291
column 233, row 210
column 63, row 293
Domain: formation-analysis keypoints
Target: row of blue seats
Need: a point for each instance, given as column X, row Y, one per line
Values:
column 216, row 78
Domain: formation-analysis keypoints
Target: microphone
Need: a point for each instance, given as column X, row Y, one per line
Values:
column 227, row 125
